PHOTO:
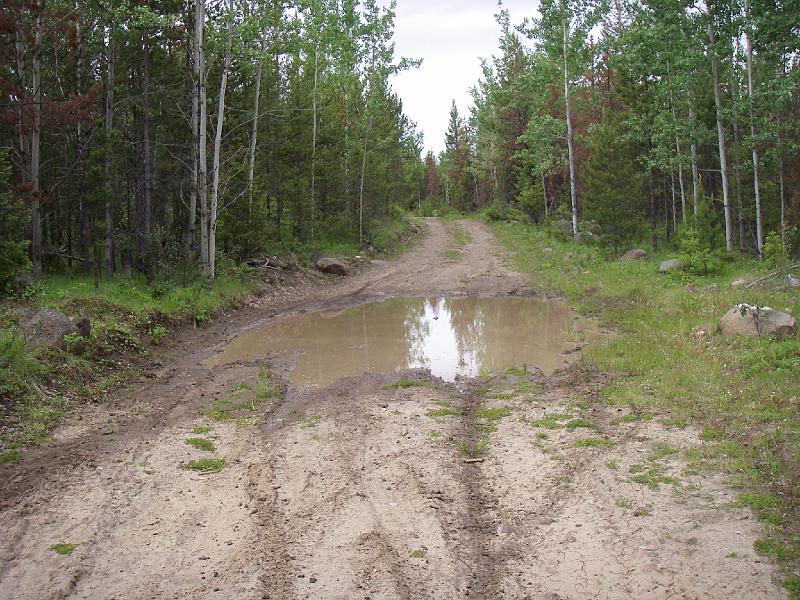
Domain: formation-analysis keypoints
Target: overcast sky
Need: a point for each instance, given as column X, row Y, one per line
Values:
column 451, row 36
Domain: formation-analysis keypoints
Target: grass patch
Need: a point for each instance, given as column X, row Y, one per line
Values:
column 624, row 503
column 651, row 476
column 205, row 465
column 418, row 554
column 552, row 421
column 402, row 383
column 492, row 414
column 201, row 429
column 594, row 443
column 445, row 411
column 63, row 549
column 574, row 424
column 613, row 464
column 660, row 451
column 678, row 423
column 7, row 456
column 201, row 444
column 632, row 418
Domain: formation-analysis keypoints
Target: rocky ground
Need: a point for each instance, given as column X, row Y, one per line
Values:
column 516, row 485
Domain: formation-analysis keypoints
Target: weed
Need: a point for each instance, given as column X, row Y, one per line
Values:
column 674, row 422
column 594, row 443
column 624, row 503
column 436, row 433
column 517, row 371
column 402, row 383
column 473, row 450
column 574, row 424
column 632, row 418
column 552, row 421
column 485, row 374
column 200, row 429
column 731, row 555
column 418, row 554
column 7, row 456
column 63, row 549
column 201, row 444
column 205, row 465
column 613, row 464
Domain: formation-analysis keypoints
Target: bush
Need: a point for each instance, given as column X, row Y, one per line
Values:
column 696, row 257
column 776, row 249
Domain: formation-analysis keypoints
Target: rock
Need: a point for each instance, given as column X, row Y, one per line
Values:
column 635, row 254
column 257, row 261
column 83, row 325
column 332, row 266
column 757, row 321
column 584, row 236
column 740, row 282
column 513, row 222
column 792, row 281
column 672, row 264
column 711, row 287
column 46, row 328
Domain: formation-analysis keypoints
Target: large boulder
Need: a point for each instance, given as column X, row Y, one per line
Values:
column 757, row 321
column 331, row 265
column 672, row 264
column 46, row 328
column 635, row 254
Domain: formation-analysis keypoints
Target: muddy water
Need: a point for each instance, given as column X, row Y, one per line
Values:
column 449, row 336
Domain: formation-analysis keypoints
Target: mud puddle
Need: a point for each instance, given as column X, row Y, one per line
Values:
column 450, row 336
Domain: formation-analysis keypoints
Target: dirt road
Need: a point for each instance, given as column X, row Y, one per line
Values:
column 511, row 486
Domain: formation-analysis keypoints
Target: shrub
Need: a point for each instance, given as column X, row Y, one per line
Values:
column 13, row 242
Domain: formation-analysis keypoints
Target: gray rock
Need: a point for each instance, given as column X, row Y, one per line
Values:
column 672, row 264
column 332, row 266
column 792, row 281
column 46, row 328
column 584, row 237
column 635, row 254
column 757, row 321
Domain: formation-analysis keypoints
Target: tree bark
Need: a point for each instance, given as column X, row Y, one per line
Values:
column 36, row 84
column 723, row 160
column 223, row 84
column 202, row 127
column 750, row 92
column 251, row 160
column 108, row 124
column 361, row 192
column 570, row 150
column 695, row 170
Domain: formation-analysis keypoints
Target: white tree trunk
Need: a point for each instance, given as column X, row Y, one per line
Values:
column 572, row 184
column 361, row 193
column 223, row 84
column 251, row 162
column 109, row 125
column 750, row 88
column 723, row 160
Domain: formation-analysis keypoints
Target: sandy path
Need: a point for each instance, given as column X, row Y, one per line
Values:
column 357, row 491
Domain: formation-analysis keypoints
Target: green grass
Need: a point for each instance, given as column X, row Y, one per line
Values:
column 651, row 476
column 552, row 421
column 594, row 443
column 661, row 450
column 201, row 444
column 201, row 429
column 63, row 549
column 418, row 554
column 402, row 383
column 574, row 424
column 624, row 503
column 492, row 414
column 205, row 465
column 445, row 411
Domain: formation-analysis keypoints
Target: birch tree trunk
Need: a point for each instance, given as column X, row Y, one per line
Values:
column 750, row 90
column 572, row 184
column 723, row 160
column 212, row 221
column 361, row 192
column 251, row 161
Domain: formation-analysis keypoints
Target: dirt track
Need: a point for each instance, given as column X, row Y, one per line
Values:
column 357, row 492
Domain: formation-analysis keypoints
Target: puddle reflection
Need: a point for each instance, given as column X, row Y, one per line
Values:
column 449, row 336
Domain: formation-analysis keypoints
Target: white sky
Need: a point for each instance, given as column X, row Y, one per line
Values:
column 451, row 36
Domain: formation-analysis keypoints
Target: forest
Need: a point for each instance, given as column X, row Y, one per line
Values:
column 151, row 137
column 661, row 121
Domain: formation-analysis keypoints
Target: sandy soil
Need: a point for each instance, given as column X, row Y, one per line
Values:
column 358, row 491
